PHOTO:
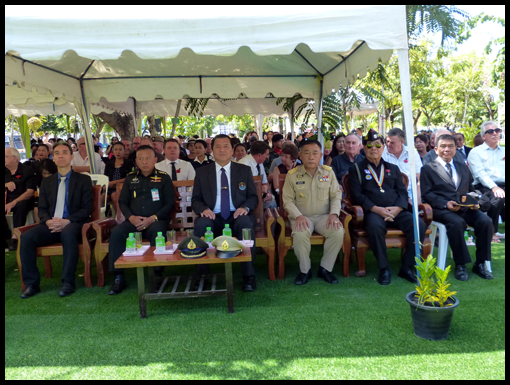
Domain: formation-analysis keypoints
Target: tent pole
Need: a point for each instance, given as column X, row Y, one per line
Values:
column 319, row 121
column 25, row 134
column 291, row 117
column 403, row 63
column 89, row 143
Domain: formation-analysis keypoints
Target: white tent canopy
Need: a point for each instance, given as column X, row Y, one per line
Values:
column 116, row 53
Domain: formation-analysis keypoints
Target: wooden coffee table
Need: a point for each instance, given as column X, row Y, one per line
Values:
column 150, row 261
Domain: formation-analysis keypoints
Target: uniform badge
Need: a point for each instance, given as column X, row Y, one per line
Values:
column 155, row 179
column 464, row 199
column 191, row 245
column 368, row 177
column 242, row 186
column 300, row 182
column 325, row 178
column 301, row 195
column 224, row 245
column 367, row 171
column 135, row 180
column 300, row 176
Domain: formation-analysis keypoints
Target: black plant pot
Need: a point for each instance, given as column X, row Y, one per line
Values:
column 431, row 323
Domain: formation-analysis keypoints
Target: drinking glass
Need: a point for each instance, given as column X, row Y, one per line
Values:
column 171, row 236
column 189, row 233
column 138, row 237
column 246, row 234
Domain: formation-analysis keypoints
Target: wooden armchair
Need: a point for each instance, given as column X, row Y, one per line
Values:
column 46, row 252
column 285, row 236
column 181, row 218
column 394, row 238
column 264, row 219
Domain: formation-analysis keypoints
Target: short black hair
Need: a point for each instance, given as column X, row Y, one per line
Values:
column 445, row 137
column 145, row 147
column 220, row 136
column 62, row 143
column 259, row 147
column 310, row 141
column 202, row 142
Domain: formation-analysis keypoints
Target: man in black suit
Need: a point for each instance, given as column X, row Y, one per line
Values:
column 461, row 148
column 432, row 155
column 65, row 204
column 378, row 187
column 224, row 193
column 443, row 183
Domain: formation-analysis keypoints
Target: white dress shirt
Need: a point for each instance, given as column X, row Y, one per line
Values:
column 184, row 170
column 217, row 207
column 403, row 163
column 78, row 161
column 455, row 177
column 248, row 160
column 487, row 165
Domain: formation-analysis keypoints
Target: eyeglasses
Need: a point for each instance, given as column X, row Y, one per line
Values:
column 491, row 131
column 377, row 145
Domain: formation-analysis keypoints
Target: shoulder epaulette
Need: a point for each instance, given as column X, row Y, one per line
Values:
column 161, row 172
column 132, row 173
column 292, row 171
column 327, row 168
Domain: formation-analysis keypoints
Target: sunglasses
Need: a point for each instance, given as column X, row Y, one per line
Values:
column 491, row 131
column 377, row 145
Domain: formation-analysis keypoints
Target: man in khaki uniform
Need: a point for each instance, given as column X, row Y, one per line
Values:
column 312, row 198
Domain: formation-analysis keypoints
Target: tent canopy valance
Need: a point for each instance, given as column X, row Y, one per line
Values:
column 187, row 51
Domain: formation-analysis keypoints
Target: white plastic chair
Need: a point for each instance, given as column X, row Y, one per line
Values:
column 443, row 246
column 98, row 179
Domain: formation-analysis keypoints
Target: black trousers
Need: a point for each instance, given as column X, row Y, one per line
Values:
column 376, row 229
column 20, row 212
column 497, row 204
column 41, row 235
column 121, row 232
column 456, row 224
column 237, row 225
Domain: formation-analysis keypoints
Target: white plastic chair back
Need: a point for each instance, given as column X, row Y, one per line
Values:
column 98, row 179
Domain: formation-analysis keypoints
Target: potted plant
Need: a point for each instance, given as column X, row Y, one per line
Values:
column 432, row 304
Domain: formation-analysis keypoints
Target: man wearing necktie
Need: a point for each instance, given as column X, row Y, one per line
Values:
column 178, row 169
column 65, row 204
column 224, row 193
column 461, row 148
column 443, row 183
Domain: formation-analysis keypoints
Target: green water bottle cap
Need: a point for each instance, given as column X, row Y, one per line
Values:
column 227, row 226
column 131, row 234
column 160, row 234
column 208, row 228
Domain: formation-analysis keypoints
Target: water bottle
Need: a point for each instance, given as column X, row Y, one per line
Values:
column 466, row 236
column 160, row 242
column 131, row 243
column 227, row 231
column 209, row 236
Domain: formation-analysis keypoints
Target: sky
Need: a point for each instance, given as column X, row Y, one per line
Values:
column 483, row 33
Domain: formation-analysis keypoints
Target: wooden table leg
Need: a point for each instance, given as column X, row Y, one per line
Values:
column 141, row 292
column 152, row 281
column 230, row 287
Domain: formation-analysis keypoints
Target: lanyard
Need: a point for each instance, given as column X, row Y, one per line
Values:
column 379, row 180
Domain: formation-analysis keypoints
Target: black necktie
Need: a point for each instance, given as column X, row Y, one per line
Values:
column 258, row 169
column 461, row 150
column 174, row 172
column 225, row 201
column 449, row 170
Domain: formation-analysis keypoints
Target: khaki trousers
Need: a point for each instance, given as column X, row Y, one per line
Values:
column 302, row 245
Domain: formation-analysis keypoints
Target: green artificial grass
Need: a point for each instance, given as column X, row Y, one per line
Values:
column 354, row 330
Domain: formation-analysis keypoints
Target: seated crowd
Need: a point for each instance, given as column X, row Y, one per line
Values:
column 446, row 171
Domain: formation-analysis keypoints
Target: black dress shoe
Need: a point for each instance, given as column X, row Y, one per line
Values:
column 328, row 276
column 384, row 277
column 13, row 245
column 407, row 272
column 119, row 284
column 461, row 273
column 303, row 278
column 481, row 270
column 67, row 289
column 30, row 291
column 249, row 283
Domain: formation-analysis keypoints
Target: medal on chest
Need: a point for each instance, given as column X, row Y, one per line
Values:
column 379, row 180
